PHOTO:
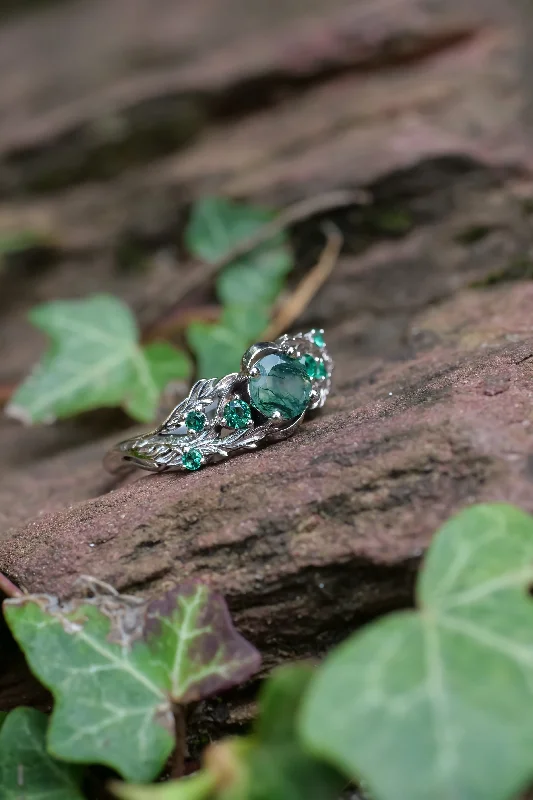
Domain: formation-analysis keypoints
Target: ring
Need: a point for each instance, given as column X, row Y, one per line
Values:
column 266, row 401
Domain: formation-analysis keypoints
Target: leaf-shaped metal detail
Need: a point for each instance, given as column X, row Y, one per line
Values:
column 203, row 393
column 209, row 443
column 248, row 437
column 236, row 440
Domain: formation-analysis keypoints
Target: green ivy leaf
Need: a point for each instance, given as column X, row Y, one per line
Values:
column 280, row 701
column 246, row 288
column 269, row 765
column 247, row 321
column 116, row 666
column 437, row 702
column 94, row 360
column 278, row 766
column 257, row 278
column 218, row 225
column 27, row 772
column 218, row 349
column 164, row 364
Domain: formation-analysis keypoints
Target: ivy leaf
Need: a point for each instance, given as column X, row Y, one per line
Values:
column 94, row 360
column 255, row 279
column 115, row 666
column 278, row 764
column 217, row 226
column 218, row 349
column 247, row 321
column 164, row 364
column 246, row 288
column 279, row 702
column 437, row 702
column 27, row 772
column 271, row 764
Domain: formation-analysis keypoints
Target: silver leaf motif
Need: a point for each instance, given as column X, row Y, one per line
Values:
column 203, row 393
column 164, row 448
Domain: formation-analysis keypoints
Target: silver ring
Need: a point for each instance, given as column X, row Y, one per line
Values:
column 279, row 383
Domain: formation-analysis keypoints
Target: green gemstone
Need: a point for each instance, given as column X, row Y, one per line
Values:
column 195, row 421
column 192, row 459
column 309, row 364
column 318, row 339
column 237, row 414
column 282, row 385
column 321, row 370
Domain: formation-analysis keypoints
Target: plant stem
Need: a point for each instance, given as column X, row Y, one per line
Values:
column 177, row 769
column 8, row 587
column 6, row 391
column 308, row 287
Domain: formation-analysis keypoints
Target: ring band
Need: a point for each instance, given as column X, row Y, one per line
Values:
column 266, row 401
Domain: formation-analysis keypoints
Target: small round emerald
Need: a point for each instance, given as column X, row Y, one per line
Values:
column 309, row 364
column 318, row 339
column 237, row 414
column 195, row 421
column 321, row 370
column 192, row 459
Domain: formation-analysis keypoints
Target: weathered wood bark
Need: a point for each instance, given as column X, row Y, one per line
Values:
column 429, row 327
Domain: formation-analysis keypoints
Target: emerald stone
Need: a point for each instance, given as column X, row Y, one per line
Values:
column 192, row 459
column 309, row 364
column 281, row 385
column 321, row 370
column 195, row 421
column 318, row 339
column 237, row 414
column 315, row 367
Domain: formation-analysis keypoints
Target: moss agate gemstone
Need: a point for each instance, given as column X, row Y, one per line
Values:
column 281, row 385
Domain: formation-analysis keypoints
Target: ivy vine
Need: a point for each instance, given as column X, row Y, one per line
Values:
column 426, row 703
